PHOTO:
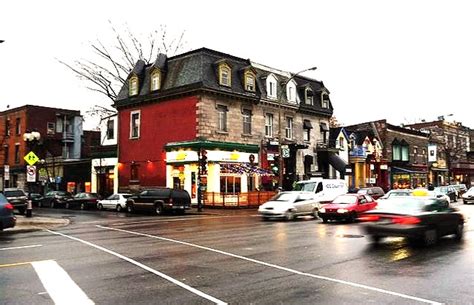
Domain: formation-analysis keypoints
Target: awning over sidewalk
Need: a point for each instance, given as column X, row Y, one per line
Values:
column 338, row 163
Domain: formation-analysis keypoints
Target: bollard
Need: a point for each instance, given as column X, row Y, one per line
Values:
column 29, row 208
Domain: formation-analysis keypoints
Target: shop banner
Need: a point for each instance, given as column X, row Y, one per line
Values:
column 432, row 153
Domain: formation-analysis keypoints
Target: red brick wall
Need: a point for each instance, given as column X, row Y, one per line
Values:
column 160, row 123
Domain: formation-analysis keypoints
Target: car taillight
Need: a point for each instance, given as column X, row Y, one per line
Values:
column 369, row 218
column 9, row 206
column 410, row 220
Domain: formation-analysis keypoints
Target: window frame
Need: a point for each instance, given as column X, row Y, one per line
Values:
column 110, row 136
column 271, row 85
column 324, row 102
column 289, row 128
column 18, row 126
column 269, row 125
column 133, row 86
column 132, row 123
column 247, row 121
column 222, row 118
column 291, row 92
column 309, row 100
column 225, row 68
column 155, row 80
column 17, row 153
column 250, row 85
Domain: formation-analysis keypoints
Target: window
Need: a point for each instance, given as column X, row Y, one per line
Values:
column 17, row 153
column 396, row 150
column 50, row 128
column 110, row 129
column 230, row 184
column 341, row 142
column 307, row 130
column 155, row 80
column 135, row 124
column 134, row 172
column 222, row 118
column 415, row 151
column 6, row 154
column 247, row 121
column 224, row 75
column 269, row 125
column 18, row 126
column 309, row 96
column 133, row 83
column 291, row 92
column 7, row 127
column 289, row 128
column 59, row 124
column 405, row 152
column 249, row 81
column 271, row 87
column 325, row 101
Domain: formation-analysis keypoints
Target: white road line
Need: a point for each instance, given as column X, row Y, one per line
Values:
column 61, row 288
column 22, row 247
column 166, row 277
column 405, row 296
column 176, row 219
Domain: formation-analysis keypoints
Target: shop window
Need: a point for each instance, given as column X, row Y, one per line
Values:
column 247, row 121
column 230, row 184
column 222, row 118
column 269, row 125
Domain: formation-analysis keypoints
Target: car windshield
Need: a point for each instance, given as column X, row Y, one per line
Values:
column 15, row 193
column 284, row 197
column 362, row 192
column 403, row 205
column 443, row 190
column 345, row 199
column 307, row 186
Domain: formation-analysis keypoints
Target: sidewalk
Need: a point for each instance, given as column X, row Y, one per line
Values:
column 36, row 223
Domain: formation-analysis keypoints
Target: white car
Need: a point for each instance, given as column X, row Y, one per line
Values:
column 468, row 196
column 289, row 205
column 116, row 202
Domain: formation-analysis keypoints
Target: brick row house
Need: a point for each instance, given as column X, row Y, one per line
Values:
column 234, row 109
column 63, row 147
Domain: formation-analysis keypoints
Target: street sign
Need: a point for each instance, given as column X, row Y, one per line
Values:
column 285, row 152
column 30, row 173
column 31, row 158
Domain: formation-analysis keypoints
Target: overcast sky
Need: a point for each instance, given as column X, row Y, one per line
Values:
column 403, row 60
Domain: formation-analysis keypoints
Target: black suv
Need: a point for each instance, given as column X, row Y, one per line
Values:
column 17, row 198
column 160, row 200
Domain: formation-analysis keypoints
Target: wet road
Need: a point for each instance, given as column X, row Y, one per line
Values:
column 227, row 257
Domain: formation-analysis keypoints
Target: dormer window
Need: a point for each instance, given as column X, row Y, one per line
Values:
column 133, row 85
column 155, row 80
column 225, row 78
column 271, row 87
column 309, row 96
column 249, row 80
column 291, row 92
column 324, row 100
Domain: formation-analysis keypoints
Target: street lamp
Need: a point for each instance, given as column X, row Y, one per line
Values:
column 280, row 100
column 30, row 138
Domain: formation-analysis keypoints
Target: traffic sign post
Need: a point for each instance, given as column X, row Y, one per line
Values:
column 30, row 173
column 31, row 158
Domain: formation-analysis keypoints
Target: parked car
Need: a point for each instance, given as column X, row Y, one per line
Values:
column 373, row 191
column 416, row 218
column 7, row 218
column 35, row 198
column 397, row 193
column 159, row 201
column 447, row 190
column 289, row 205
column 83, row 201
column 55, row 199
column 468, row 196
column 460, row 189
column 116, row 202
column 347, row 207
column 17, row 198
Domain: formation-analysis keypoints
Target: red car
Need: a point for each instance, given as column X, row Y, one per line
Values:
column 347, row 207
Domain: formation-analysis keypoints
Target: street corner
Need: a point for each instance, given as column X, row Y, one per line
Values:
column 25, row 224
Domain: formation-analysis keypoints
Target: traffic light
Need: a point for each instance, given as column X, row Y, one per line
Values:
column 203, row 162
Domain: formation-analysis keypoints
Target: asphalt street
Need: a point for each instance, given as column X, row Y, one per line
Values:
column 229, row 257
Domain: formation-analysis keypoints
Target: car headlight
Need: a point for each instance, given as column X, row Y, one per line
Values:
column 342, row 211
column 322, row 210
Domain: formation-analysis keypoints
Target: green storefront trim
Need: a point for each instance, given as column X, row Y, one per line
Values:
column 204, row 144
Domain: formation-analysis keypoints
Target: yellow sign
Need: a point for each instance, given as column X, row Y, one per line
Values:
column 31, row 158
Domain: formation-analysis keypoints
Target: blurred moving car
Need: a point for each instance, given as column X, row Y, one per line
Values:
column 397, row 193
column 35, row 198
column 55, row 199
column 7, row 218
column 116, row 202
column 289, row 205
column 416, row 218
column 468, row 196
column 17, row 198
column 83, row 201
column 373, row 191
column 449, row 191
column 460, row 189
column 160, row 200
column 346, row 207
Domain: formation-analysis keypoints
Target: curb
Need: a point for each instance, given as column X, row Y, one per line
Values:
column 24, row 225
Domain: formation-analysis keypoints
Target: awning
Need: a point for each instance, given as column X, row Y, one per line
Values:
column 244, row 168
column 405, row 170
column 338, row 163
column 324, row 127
column 307, row 124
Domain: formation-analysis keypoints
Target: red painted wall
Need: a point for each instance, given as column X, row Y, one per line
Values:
column 160, row 123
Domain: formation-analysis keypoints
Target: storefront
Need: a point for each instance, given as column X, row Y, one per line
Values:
column 402, row 178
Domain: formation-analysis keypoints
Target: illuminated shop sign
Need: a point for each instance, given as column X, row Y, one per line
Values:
column 212, row 156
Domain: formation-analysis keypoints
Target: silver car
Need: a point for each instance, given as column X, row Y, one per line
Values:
column 116, row 202
column 468, row 196
column 289, row 205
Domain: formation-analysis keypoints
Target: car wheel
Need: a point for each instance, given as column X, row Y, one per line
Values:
column 83, row 206
column 375, row 239
column 100, row 206
column 325, row 220
column 459, row 231
column 118, row 208
column 289, row 215
column 67, row 206
column 51, row 204
column 158, row 209
column 465, row 201
column 39, row 204
column 130, row 208
column 430, row 237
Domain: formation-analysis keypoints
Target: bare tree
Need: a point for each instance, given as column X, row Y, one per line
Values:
column 108, row 67
column 333, row 122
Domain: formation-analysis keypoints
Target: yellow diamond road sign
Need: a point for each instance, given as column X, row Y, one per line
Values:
column 31, row 158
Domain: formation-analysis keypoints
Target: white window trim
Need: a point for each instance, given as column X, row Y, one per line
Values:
column 155, row 75
column 272, row 80
column 291, row 94
column 289, row 129
column 270, row 125
column 307, row 99
column 133, row 89
column 131, row 123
